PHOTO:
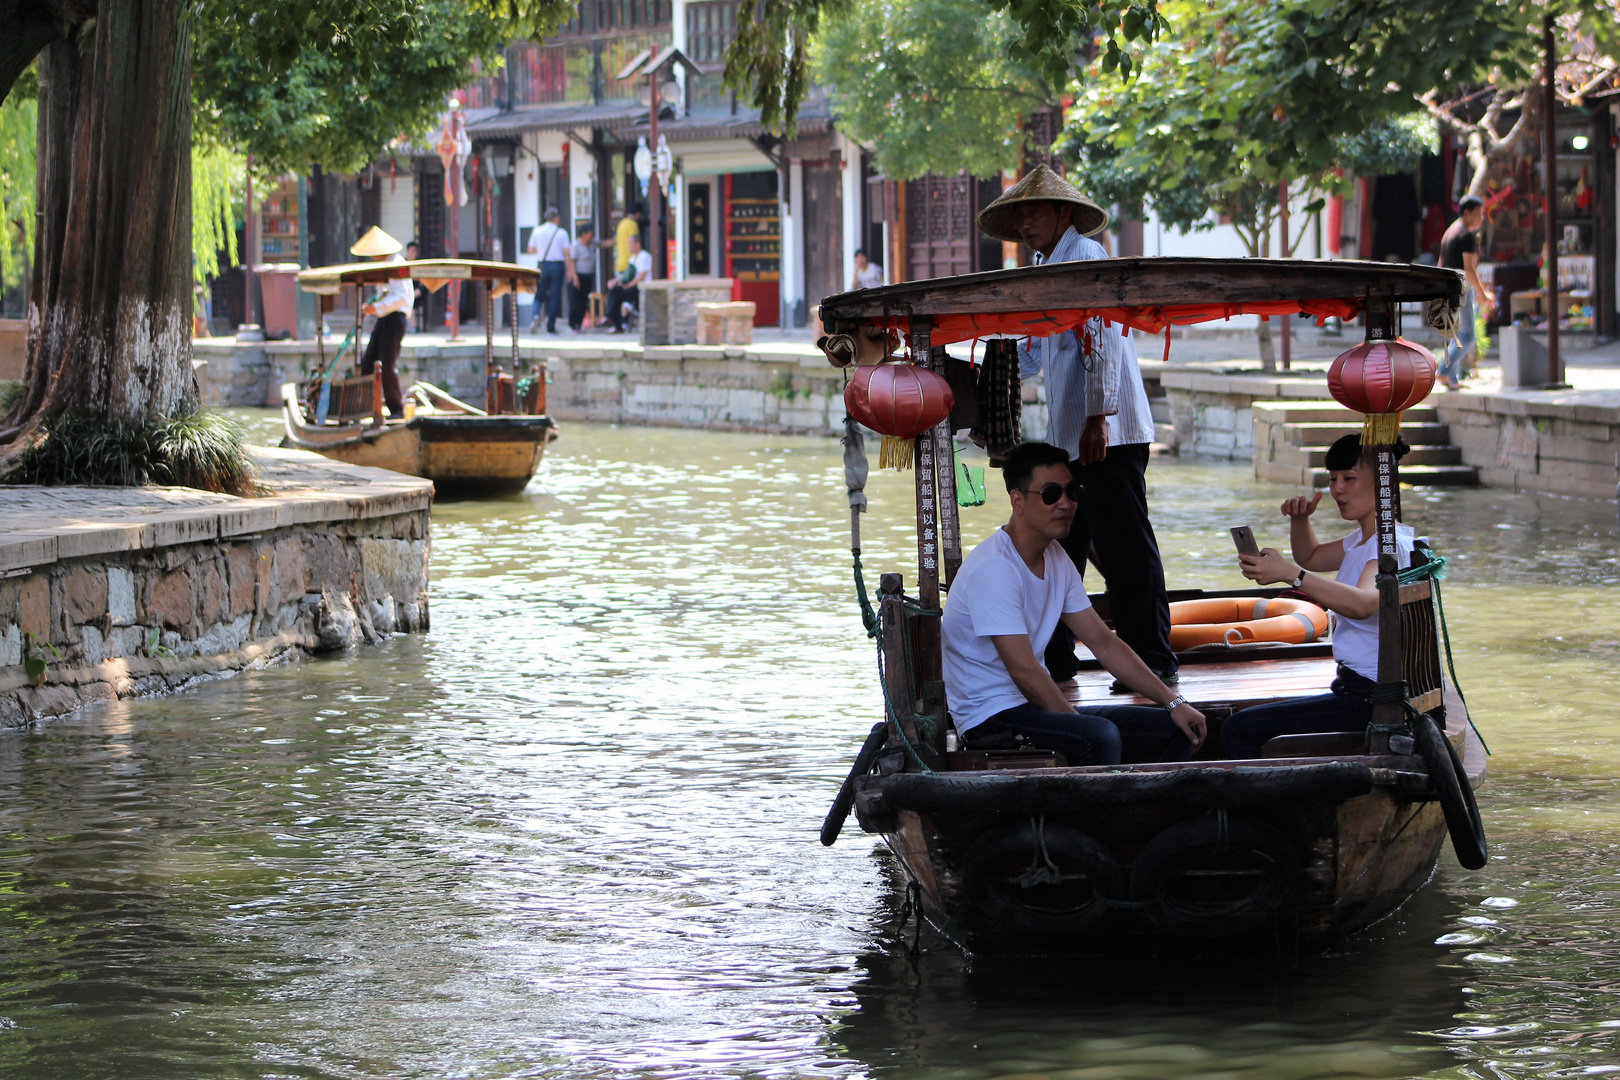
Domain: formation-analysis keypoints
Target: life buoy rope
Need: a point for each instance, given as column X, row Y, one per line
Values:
column 1242, row 620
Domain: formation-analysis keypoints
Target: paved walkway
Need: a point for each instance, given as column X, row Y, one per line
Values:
column 43, row 524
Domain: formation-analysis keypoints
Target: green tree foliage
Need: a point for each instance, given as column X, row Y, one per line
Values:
column 19, row 120
column 1244, row 97
column 338, row 99
column 217, row 175
column 934, row 85
column 769, row 63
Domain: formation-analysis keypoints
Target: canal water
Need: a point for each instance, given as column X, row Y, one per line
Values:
column 572, row 831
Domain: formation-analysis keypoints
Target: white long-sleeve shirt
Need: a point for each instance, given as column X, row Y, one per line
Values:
column 1111, row 387
column 397, row 295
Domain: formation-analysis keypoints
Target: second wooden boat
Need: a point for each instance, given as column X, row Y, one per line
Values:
column 466, row 451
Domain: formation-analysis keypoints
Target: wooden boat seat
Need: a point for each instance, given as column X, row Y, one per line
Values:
column 352, row 399
column 1319, row 744
column 1232, row 685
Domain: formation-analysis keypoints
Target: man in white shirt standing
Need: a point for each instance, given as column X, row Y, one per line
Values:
column 1008, row 598
column 390, row 307
column 1099, row 413
column 550, row 242
column 627, row 288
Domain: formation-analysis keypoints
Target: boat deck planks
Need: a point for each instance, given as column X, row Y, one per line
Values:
column 1242, row 682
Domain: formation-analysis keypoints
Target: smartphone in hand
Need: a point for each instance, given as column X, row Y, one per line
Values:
column 1243, row 537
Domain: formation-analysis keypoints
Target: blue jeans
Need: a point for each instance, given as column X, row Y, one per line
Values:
column 1248, row 729
column 1452, row 366
column 550, row 293
column 1102, row 735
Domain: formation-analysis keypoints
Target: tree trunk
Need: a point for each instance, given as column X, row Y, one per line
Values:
column 1268, row 352
column 110, row 300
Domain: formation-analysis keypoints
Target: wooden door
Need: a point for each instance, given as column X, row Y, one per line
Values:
column 939, row 226
column 823, row 231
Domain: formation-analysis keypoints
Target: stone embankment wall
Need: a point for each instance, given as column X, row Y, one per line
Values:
column 1567, row 443
column 123, row 592
column 1210, row 413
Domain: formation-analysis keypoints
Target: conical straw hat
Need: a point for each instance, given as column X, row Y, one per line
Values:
column 375, row 243
column 1040, row 184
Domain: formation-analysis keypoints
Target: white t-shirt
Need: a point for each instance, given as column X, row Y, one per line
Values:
column 1355, row 641
column 870, row 278
column 549, row 242
column 995, row 594
column 641, row 262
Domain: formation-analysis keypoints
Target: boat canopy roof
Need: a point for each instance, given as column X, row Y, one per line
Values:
column 432, row 273
column 1148, row 294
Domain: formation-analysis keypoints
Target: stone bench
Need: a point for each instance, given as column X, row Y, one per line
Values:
column 729, row 323
column 669, row 308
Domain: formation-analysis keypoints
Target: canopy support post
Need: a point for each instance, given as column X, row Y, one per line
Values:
column 950, row 525
column 930, row 447
column 492, row 396
column 1379, row 316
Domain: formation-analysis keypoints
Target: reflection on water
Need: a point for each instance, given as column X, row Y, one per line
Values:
column 571, row 832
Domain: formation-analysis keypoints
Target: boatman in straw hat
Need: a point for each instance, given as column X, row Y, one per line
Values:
column 391, row 308
column 1099, row 413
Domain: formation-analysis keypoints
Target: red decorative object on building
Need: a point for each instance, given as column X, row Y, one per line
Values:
column 1382, row 379
column 898, row 401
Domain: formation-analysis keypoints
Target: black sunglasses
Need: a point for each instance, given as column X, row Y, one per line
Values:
column 1050, row 493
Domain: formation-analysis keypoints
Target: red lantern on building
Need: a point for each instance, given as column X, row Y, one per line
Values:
column 1382, row 379
column 898, row 401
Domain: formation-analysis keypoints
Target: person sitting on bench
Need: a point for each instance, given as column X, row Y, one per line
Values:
column 1003, row 607
column 1350, row 595
column 627, row 287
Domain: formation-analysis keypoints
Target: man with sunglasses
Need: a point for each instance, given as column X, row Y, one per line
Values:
column 1009, row 596
column 1099, row 413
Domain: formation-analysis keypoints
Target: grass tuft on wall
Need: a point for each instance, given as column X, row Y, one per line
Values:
column 197, row 449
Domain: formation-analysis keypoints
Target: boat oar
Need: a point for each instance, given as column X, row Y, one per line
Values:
column 324, row 404
column 846, row 794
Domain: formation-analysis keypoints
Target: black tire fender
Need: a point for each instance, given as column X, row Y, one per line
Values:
column 1456, row 793
column 834, row 823
column 1033, row 904
column 1218, row 836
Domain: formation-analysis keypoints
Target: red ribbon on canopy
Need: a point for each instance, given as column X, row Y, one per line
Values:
column 1149, row 320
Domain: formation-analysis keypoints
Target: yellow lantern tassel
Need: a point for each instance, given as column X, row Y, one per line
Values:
column 896, row 453
column 1381, row 429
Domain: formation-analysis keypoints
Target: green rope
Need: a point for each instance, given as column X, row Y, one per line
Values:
column 869, row 615
column 893, row 715
column 1432, row 571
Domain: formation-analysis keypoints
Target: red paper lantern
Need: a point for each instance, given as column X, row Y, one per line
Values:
column 1382, row 376
column 899, row 402
column 1382, row 379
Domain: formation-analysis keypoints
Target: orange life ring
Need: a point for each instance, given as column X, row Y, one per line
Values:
column 1240, row 620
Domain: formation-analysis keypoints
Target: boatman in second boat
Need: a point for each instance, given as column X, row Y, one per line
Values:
column 1009, row 596
column 390, row 307
column 1099, row 413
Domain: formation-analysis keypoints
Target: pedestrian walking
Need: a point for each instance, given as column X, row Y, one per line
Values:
column 550, row 242
column 1459, row 250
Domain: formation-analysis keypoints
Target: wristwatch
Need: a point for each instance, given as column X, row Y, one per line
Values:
column 1171, row 705
column 1299, row 582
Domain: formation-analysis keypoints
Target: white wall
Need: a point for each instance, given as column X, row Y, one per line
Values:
column 793, row 244
column 398, row 206
column 849, row 153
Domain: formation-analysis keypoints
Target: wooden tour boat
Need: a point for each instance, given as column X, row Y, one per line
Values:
column 466, row 451
column 1320, row 837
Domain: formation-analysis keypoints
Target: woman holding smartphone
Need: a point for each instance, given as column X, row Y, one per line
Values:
column 1340, row 576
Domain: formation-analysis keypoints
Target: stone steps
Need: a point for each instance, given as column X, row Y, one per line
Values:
column 1291, row 441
